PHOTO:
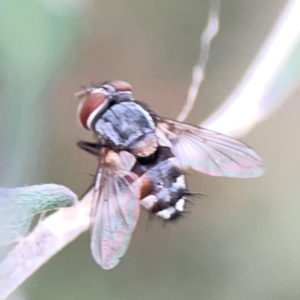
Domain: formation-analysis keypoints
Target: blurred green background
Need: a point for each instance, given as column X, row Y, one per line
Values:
column 240, row 242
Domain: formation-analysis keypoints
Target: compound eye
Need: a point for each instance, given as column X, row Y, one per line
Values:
column 87, row 107
column 121, row 86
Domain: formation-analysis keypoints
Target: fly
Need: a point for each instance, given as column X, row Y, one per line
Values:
column 142, row 158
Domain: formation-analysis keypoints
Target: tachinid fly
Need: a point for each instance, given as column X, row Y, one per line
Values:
column 142, row 158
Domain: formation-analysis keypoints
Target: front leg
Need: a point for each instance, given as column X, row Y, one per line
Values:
column 95, row 148
column 92, row 148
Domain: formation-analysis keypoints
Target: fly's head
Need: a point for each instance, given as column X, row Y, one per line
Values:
column 97, row 99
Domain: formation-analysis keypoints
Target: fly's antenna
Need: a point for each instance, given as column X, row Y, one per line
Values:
column 82, row 93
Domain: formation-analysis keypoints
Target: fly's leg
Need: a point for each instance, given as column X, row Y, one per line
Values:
column 92, row 148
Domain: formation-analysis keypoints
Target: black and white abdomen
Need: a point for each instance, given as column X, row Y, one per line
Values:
column 171, row 205
column 128, row 125
column 165, row 189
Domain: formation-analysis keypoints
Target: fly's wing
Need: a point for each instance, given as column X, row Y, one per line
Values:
column 115, row 212
column 208, row 151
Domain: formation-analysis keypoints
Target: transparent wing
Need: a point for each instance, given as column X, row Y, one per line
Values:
column 210, row 152
column 115, row 213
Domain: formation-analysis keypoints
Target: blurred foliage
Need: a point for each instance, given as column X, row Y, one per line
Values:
column 18, row 207
column 34, row 42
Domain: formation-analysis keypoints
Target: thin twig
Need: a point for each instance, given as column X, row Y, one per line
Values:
column 211, row 30
column 48, row 238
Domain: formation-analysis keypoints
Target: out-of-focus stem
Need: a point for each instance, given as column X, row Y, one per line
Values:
column 257, row 96
column 210, row 31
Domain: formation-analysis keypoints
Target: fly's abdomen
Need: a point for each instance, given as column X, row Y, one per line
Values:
column 164, row 188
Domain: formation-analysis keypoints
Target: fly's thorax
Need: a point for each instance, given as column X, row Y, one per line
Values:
column 128, row 126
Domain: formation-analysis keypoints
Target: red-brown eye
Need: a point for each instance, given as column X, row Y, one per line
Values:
column 121, row 86
column 88, row 106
